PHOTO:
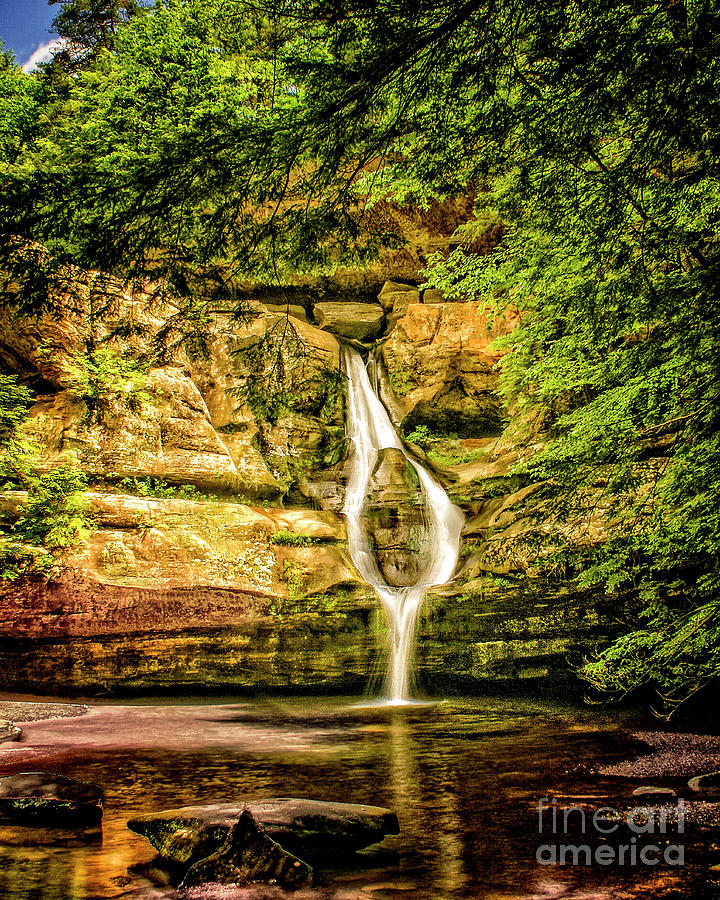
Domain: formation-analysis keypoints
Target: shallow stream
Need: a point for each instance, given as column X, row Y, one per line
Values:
column 464, row 777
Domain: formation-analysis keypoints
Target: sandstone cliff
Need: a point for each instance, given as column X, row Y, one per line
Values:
column 233, row 591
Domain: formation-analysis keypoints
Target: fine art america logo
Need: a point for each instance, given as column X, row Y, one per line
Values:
column 640, row 836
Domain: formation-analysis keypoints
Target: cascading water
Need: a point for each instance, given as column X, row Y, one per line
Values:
column 370, row 430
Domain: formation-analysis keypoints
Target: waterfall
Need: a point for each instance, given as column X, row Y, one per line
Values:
column 370, row 430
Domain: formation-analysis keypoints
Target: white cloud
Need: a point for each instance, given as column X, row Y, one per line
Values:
column 43, row 53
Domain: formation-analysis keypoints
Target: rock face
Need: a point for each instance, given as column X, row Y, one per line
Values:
column 442, row 368
column 40, row 798
column 188, row 421
column 178, row 592
column 169, row 594
column 359, row 321
column 311, row 829
column 167, row 435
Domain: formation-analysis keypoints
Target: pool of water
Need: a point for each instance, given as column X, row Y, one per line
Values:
column 464, row 777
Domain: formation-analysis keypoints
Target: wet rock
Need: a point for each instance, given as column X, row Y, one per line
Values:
column 249, row 855
column 395, row 519
column 359, row 321
column 8, row 731
column 708, row 783
column 42, row 798
column 651, row 792
column 394, row 480
column 309, row 829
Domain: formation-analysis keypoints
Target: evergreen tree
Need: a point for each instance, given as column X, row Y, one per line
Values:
column 89, row 26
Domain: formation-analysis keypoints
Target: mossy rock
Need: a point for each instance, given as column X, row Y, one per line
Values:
column 45, row 799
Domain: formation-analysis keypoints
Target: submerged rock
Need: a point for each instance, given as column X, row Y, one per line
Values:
column 9, row 731
column 309, row 829
column 42, row 798
column 248, row 855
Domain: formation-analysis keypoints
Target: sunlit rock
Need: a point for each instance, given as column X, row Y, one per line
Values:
column 360, row 321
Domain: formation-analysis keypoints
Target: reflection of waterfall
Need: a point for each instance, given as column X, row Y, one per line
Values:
column 370, row 430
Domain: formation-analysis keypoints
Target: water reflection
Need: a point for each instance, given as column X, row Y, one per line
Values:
column 462, row 776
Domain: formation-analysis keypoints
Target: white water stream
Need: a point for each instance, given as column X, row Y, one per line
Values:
column 370, row 430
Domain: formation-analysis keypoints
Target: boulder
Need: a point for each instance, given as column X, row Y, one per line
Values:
column 708, row 783
column 249, row 855
column 392, row 290
column 395, row 518
column 395, row 298
column 309, row 829
column 651, row 792
column 357, row 321
column 290, row 309
column 8, row 731
column 41, row 798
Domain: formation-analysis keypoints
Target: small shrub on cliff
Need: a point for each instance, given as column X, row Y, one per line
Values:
column 420, row 435
column 103, row 376
column 291, row 539
column 14, row 451
column 159, row 488
column 55, row 514
column 53, row 518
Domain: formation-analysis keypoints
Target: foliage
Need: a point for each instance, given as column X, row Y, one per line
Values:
column 14, row 450
column 420, row 435
column 18, row 108
column 89, row 26
column 293, row 539
column 54, row 517
column 159, row 488
column 104, row 375
column 55, row 514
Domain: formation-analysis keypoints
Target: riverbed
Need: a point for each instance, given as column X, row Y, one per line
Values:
column 465, row 777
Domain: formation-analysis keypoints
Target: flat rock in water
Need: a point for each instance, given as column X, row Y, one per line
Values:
column 41, row 798
column 709, row 783
column 9, row 731
column 309, row 829
column 649, row 792
column 248, row 855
